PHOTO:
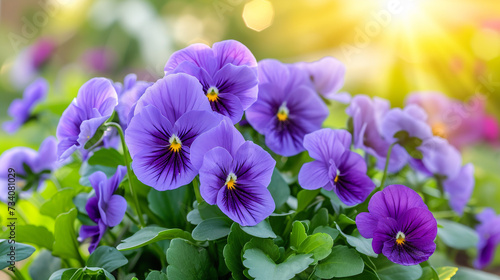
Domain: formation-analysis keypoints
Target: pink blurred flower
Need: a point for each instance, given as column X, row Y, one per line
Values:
column 100, row 59
column 461, row 123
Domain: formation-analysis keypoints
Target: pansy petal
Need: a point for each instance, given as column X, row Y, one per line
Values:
column 92, row 208
column 240, row 81
column 115, row 210
column 216, row 166
column 459, row 188
column 199, row 54
column 253, row 164
column 326, row 143
column 174, row 95
column 233, row 52
column 224, row 135
column 327, row 74
column 228, row 105
column 96, row 179
column 440, row 157
column 367, row 224
column 353, row 187
column 97, row 93
column 149, row 128
column 394, row 200
column 247, row 205
column 193, row 123
column 264, row 110
column 313, row 175
column 405, row 120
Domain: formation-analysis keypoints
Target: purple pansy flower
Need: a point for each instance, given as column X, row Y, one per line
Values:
column 169, row 117
column 411, row 119
column 106, row 209
column 128, row 95
column 93, row 105
column 287, row 108
column 335, row 167
column 20, row 109
column 227, row 72
column 40, row 163
column 367, row 115
column 401, row 225
column 327, row 76
column 235, row 175
column 489, row 237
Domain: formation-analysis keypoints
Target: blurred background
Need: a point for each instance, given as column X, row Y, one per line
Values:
column 390, row 48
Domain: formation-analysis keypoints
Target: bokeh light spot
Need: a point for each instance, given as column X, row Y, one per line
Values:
column 258, row 14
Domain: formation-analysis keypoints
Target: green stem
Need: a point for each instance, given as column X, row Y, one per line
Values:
column 161, row 254
column 18, row 274
column 129, row 172
column 8, row 273
column 384, row 177
column 196, row 187
column 312, row 273
column 132, row 219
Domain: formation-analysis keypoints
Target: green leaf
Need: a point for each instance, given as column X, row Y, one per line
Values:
column 261, row 230
column 319, row 244
column 236, row 240
column 194, row 217
column 456, row 235
column 212, row 229
column 44, row 265
column 65, row 244
column 262, row 267
column 187, row 262
column 156, row 275
column 150, row 235
column 344, row 220
column 170, row 206
column 61, row 202
column 107, row 257
column 87, row 273
column 106, row 157
column 446, row 272
column 265, row 245
column 208, row 211
column 320, row 219
column 279, row 189
column 86, row 170
column 465, row 273
column 297, row 235
column 328, row 230
column 37, row 235
column 58, row 274
column 388, row 270
column 362, row 245
column 21, row 252
column 304, row 198
column 429, row 273
column 342, row 262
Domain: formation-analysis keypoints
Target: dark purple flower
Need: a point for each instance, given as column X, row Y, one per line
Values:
column 459, row 188
column 235, row 175
column 227, row 72
column 93, row 105
column 489, row 237
column 287, row 108
column 335, row 167
column 327, row 76
column 20, row 109
column 106, row 209
column 128, row 95
column 401, row 225
column 40, row 163
column 367, row 115
column 169, row 117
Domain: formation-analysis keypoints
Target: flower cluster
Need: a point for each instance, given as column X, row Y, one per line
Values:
column 225, row 146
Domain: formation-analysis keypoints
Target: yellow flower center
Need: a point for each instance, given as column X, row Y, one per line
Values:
column 231, row 181
column 213, row 94
column 336, row 179
column 400, row 238
column 175, row 143
column 283, row 113
column 440, row 129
